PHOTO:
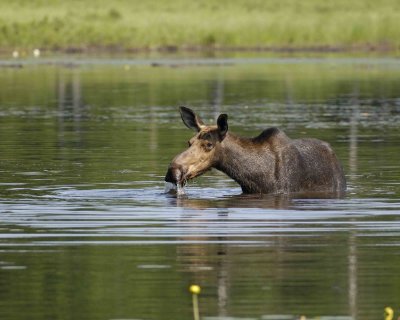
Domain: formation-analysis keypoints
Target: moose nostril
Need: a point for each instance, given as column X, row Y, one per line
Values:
column 173, row 175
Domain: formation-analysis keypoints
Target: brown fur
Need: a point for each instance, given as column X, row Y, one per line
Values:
column 268, row 163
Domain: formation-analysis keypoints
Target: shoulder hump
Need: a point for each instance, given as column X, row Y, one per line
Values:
column 270, row 134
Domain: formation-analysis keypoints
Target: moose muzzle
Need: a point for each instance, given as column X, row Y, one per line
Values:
column 174, row 175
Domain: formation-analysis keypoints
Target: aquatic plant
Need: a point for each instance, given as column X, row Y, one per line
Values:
column 195, row 290
column 389, row 313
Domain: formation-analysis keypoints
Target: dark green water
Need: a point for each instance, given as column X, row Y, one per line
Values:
column 87, row 231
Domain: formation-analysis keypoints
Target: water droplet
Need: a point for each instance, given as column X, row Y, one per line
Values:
column 180, row 191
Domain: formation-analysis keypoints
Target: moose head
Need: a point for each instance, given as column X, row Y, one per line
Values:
column 202, row 151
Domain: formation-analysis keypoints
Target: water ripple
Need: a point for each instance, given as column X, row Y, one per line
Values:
column 113, row 216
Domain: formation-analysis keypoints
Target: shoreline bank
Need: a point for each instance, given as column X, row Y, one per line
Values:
column 133, row 26
column 365, row 49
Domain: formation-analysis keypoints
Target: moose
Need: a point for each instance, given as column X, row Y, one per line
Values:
column 268, row 163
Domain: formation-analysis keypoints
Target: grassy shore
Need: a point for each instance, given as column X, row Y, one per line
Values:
column 223, row 24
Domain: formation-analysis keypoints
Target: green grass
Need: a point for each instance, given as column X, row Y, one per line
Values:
column 151, row 24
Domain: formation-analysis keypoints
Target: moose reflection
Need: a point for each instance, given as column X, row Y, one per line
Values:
column 268, row 163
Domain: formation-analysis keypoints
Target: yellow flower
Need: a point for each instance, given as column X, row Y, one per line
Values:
column 388, row 313
column 195, row 289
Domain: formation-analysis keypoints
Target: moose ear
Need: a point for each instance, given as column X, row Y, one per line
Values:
column 222, row 123
column 190, row 119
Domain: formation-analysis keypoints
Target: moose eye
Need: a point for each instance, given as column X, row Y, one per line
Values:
column 209, row 145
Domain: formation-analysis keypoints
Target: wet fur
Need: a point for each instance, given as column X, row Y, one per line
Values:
column 274, row 163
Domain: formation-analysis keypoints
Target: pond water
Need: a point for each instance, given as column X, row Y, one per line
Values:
column 87, row 231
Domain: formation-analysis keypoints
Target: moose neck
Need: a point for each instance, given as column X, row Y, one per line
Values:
column 248, row 162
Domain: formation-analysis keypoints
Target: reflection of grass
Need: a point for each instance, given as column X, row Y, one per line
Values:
column 162, row 23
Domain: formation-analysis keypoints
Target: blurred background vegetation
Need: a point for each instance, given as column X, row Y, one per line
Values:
column 219, row 24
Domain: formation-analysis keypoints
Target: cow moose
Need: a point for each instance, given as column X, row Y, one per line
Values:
column 268, row 163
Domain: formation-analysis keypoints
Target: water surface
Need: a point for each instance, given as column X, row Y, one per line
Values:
column 87, row 231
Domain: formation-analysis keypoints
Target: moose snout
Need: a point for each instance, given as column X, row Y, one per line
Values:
column 174, row 174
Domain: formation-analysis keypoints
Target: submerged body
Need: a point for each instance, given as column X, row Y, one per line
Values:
column 268, row 163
